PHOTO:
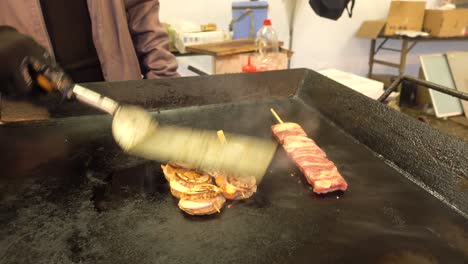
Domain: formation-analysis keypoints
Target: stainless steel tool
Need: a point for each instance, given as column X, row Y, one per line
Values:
column 139, row 134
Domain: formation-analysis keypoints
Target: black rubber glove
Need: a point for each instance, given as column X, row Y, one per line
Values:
column 22, row 60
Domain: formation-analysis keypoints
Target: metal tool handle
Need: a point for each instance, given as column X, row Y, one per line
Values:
column 84, row 95
column 246, row 12
column 94, row 99
column 196, row 70
column 430, row 85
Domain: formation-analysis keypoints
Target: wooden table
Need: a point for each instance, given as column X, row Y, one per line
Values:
column 407, row 44
column 230, row 56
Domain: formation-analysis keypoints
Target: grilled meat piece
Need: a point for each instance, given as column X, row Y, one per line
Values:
column 236, row 188
column 312, row 161
column 202, row 199
column 182, row 179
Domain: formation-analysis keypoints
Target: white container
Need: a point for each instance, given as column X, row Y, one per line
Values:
column 183, row 40
column 368, row 87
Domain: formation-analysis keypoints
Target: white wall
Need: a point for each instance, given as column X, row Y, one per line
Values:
column 318, row 43
column 219, row 12
column 322, row 43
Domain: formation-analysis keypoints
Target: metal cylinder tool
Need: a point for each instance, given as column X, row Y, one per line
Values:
column 138, row 133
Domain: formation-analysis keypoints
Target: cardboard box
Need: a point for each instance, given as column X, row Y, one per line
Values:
column 402, row 15
column 446, row 23
column 405, row 15
column 370, row 29
column 460, row 2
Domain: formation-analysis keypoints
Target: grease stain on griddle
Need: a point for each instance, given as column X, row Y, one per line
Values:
column 145, row 179
column 394, row 215
column 409, row 257
column 455, row 236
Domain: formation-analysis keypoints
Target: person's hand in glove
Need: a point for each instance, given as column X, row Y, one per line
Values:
column 26, row 65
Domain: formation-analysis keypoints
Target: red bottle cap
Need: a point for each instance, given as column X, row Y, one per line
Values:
column 267, row 22
column 249, row 67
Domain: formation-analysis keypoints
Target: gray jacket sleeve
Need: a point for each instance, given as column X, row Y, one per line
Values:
column 150, row 39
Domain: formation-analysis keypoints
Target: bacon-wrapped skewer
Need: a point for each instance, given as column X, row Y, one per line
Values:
column 312, row 161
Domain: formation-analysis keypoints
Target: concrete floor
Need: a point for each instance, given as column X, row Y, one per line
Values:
column 456, row 126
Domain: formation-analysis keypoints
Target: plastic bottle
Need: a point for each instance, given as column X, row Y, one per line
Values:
column 267, row 47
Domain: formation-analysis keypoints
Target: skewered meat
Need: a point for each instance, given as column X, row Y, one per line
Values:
column 182, row 179
column 281, row 131
column 312, row 161
column 194, row 189
column 202, row 199
column 236, row 188
column 171, row 169
column 196, row 193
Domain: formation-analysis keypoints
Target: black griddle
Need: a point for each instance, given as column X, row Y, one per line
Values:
column 69, row 195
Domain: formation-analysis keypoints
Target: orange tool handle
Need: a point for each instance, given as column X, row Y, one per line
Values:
column 44, row 83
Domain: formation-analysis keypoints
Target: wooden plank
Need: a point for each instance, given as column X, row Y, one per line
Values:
column 460, row 120
column 458, row 62
column 386, row 63
column 422, row 38
column 226, row 47
column 14, row 111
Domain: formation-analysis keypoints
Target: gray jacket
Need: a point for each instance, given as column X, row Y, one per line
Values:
column 127, row 34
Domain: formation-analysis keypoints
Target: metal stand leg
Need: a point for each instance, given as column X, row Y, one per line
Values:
column 404, row 53
column 214, row 66
column 371, row 58
column 431, row 85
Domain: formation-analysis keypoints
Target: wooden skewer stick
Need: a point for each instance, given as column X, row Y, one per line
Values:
column 222, row 139
column 221, row 136
column 217, row 209
column 276, row 116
